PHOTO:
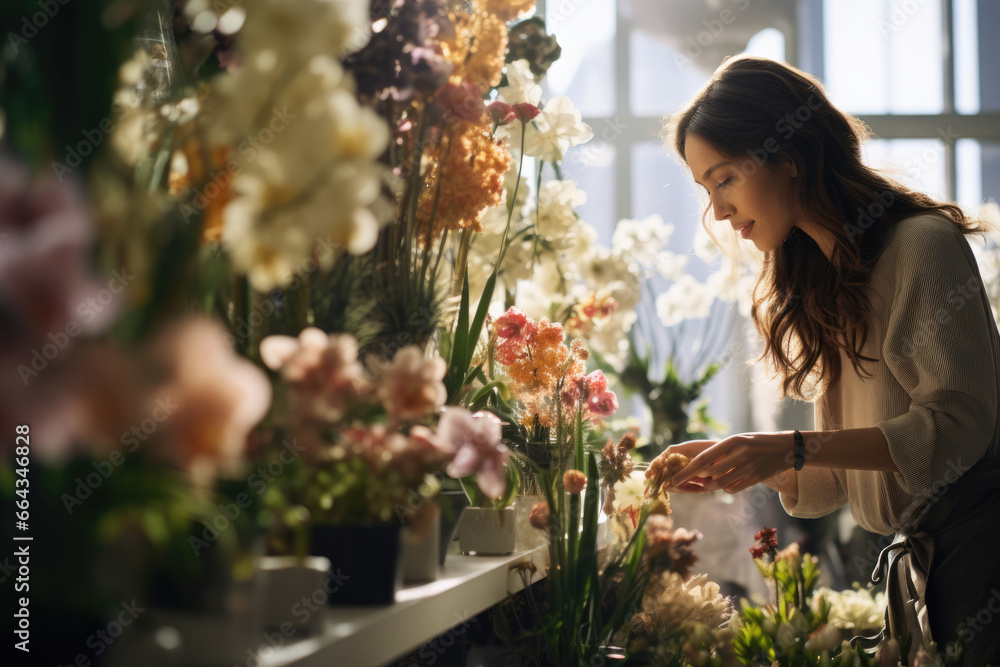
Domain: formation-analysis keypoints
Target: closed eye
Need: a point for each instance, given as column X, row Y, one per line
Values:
column 724, row 183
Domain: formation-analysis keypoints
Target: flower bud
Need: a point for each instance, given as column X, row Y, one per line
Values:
column 574, row 481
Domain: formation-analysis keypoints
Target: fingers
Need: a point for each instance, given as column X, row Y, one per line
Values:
column 732, row 481
column 740, row 485
column 695, row 485
column 697, row 466
column 689, row 448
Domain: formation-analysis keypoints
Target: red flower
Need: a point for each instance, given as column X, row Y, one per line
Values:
column 525, row 111
column 501, row 112
column 765, row 541
column 512, row 323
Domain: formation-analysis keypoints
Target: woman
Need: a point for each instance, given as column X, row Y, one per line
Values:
column 871, row 305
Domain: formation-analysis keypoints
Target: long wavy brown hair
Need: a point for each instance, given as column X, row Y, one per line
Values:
column 805, row 307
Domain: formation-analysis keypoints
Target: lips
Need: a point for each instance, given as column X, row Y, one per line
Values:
column 746, row 229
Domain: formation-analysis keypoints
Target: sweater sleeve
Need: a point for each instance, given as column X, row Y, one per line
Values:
column 938, row 347
column 819, row 491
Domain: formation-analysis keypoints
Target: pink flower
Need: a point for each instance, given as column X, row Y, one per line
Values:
column 603, row 405
column 539, row 517
column 411, row 387
column 596, row 383
column 571, row 394
column 216, row 397
column 322, row 370
column 409, row 456
column 461, row 102
column 476, row 438
column 45, row 279
column 512, row 323
column 49, row 295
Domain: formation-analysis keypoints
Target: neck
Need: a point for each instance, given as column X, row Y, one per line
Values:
column 822, row 237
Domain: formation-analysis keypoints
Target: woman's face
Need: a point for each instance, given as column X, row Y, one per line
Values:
column 743, row 191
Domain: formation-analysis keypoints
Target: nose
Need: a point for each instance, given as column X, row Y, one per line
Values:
column 722, row 208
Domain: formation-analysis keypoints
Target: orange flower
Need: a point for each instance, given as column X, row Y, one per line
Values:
column 213, row 185
column 574, row 481
column 478, row 49
column 465, row 178
column 506, row 10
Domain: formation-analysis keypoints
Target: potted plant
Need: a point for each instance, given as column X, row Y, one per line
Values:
column 370, row 449
column 481, row 463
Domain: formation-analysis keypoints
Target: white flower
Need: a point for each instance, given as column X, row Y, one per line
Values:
column 553, row 131
column 521, row 86
column 670, row 265
column 631, row 493
column 733, row 284
column 294, row 30
column 704, row 246
column 308, row 181
column 605, row 266
column 686, row 299
column 610, row 339
column 642, row 239
column 853, row 609
column 556, row 202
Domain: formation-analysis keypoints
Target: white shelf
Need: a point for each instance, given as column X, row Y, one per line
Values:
column 373, row 636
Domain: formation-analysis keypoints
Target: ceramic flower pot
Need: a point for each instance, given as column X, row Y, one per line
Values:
column 453, row 505
column 365, row 567
column 421, row 544
column 287, row 581
column 486, row 531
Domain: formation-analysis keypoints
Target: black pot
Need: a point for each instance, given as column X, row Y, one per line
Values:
column 365, row 567
column 453, row 504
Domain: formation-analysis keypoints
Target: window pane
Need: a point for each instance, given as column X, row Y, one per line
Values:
column 854, row 46
column 969, row 163
column 991, row 169
column 768, row 43
column 592, row 167
column 916, row 163
column 966, row 57
column 989, row 53
column 914, row 51
column 661, row 186
column 884, row 57
column 585, row 71
column 661, row 79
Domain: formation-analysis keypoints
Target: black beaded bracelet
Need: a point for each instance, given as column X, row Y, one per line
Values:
column 800, row 451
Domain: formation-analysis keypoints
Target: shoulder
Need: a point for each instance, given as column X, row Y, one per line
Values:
column 922, row 238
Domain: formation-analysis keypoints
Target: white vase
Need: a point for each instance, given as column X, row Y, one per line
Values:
column 486, row 531
column 292, row 586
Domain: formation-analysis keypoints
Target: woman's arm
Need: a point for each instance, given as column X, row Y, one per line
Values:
column 851, row 448
column 740, row 461
column 785, row 483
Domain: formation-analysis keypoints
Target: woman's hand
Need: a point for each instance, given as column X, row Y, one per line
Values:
column 734, row 463
column 690, row 449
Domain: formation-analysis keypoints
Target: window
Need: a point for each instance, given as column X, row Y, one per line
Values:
column 918, row 72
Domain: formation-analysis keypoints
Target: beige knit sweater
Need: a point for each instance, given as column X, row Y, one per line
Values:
column 934, row 391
